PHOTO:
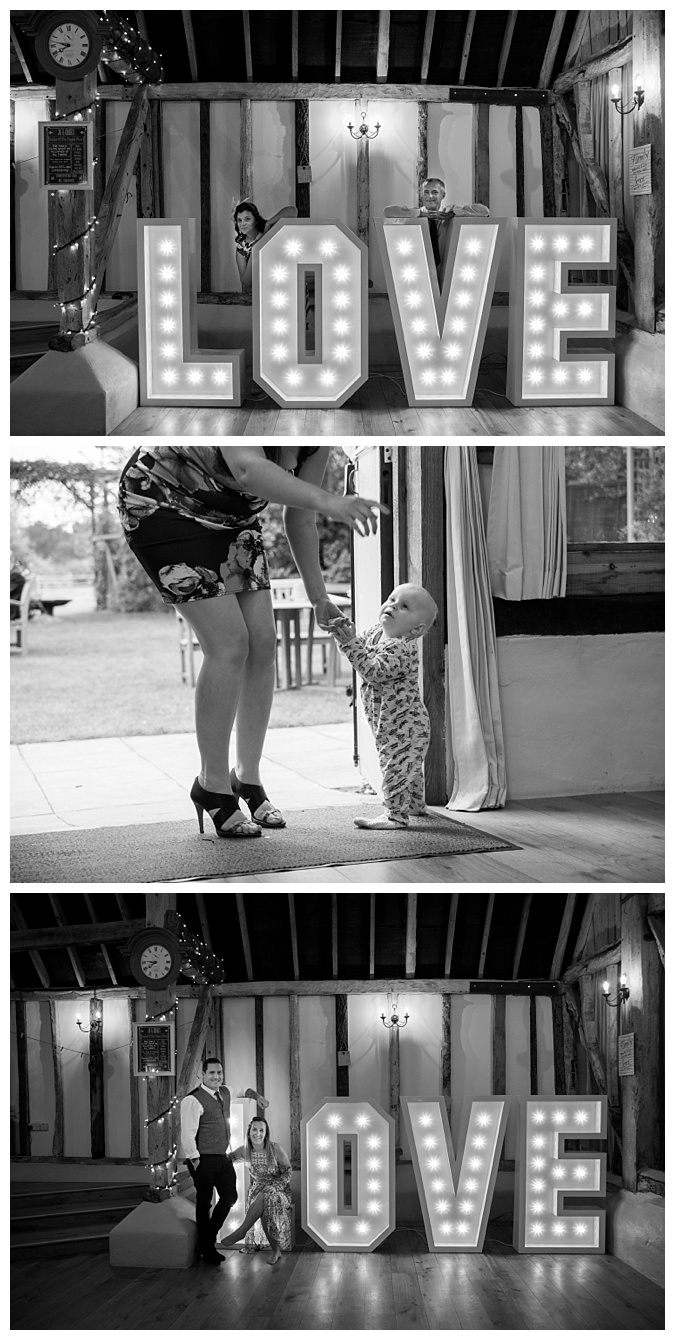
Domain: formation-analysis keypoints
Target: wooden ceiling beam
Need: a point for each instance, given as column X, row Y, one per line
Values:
column 289, row 92
column 552, row 48
column 424, row 986
column 577, row 37
column 123, row 906
column 506, row 47
column 294, row 936
column 411, row 935
column 141, row 24
column 334, row 932
column 294, row 44
column 16, row 43
column 486, row 933
column 563, row 935
column 19, row 921
column 204, row 920
column 72, row 953
column 450, row 933
column 522, row 928
column 468, row 34
column 612, row 58
column 245, row 941
column 586, row 923
column 59, row 937
column 247, row 46
column 338, row 45
column 106, row 956
column 371, row 937
column 426, row 45
column 383, row 25
column 191, row 44
column 596, row 962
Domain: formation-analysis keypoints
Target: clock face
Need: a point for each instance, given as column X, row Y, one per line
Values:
column 69, row 45
column 156, row 962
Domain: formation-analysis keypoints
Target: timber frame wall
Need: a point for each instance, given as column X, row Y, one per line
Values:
column 562, row 128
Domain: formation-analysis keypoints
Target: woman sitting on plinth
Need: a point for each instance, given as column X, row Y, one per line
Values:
column 268, row 1206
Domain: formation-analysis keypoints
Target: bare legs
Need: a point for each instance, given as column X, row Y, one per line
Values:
column 254, row 1212
column 238, row 640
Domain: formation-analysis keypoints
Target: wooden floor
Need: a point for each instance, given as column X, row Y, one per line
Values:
column 380, row 408
column 600, row 839
column 401, row 1286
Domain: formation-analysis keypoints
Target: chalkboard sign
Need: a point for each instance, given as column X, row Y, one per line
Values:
column 154, row 1050
column 67, row 155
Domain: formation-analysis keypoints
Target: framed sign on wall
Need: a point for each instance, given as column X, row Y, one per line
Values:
column 154, row 1049
column 66, row 155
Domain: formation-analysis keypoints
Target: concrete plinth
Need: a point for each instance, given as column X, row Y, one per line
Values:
column 641, row 375
column 636, row 1232
column 161, row 1235
column 83, row 393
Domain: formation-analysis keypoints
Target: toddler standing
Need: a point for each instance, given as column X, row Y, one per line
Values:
column 386, row 658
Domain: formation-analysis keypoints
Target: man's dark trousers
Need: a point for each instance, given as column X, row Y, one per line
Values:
column 213, row 1171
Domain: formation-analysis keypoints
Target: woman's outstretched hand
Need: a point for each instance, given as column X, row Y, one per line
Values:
column 327, row 613
column 360, row 514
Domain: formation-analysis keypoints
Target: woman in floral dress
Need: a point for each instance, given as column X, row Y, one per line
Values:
column 192, row 516
column 269, row 1202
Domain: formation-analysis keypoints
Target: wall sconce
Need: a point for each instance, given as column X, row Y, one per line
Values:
column 623, row 992
column 394, row 1020
column 362, row 131
column 638, row 97
column 97, row 1017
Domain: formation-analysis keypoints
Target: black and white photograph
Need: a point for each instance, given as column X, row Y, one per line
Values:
column 417, row 1111
column 337, row 222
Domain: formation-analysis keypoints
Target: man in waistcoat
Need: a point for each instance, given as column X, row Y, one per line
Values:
column 205, row 1140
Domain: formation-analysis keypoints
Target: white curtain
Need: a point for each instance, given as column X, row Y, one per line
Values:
column 527, row 523
column 476, row 768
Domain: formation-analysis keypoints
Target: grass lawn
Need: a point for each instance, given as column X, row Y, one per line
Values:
column 96, row 675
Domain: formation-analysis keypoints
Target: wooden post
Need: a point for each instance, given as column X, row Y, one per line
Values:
column 534, row 1077
column 259, row 1050
column 205, row 193
column 640, row 1015
column 342, row 1046
column 395, row 1085
column 446, row 1051
column 547, row 159
column 294, row 1075
column 648, row 128
column 74, row 211
column 363, row 187
column 520, row 165
column 12, row 196
column 559, row 1077
column 57, row 1141
column 192, row 1060
column 302, row 188
column 157, row 137
column 569, row 1050
column 246, row 150
column 100, row 153
column 159, row 1089
column 96, row 1100
column 22, row 1066
column 114, row 196
column 425, row 518
column 422, row 146
column 481, row 154
column 499, row 1044
column 135, row 1140
column 560, row 169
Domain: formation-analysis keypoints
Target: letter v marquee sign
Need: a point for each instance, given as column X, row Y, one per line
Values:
column 455, row 1192
column 440, row 334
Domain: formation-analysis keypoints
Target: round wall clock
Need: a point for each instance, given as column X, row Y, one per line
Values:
column 69, row 44
column 155, row 957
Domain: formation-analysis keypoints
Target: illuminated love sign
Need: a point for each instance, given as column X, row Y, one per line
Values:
column 455, row 1193
column 173, row 370
column 547, row 309
column 310, row 303
column 547, row 1174
column 348, row 1197
column 241, row 1111
column 440, row 335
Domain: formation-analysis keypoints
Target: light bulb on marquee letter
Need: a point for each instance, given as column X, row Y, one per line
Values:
column 547, row 310
column 348, row 1195
column 173, row 370
column 440, row 335
column 455, row 1192
column 548, row 1174
column 310, row 313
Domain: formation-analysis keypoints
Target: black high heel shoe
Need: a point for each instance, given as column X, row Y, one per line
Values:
column 261, row 809
column 223, row 810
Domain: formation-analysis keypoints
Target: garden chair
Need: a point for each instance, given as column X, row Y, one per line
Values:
column 19, row 613
column 189, row 644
